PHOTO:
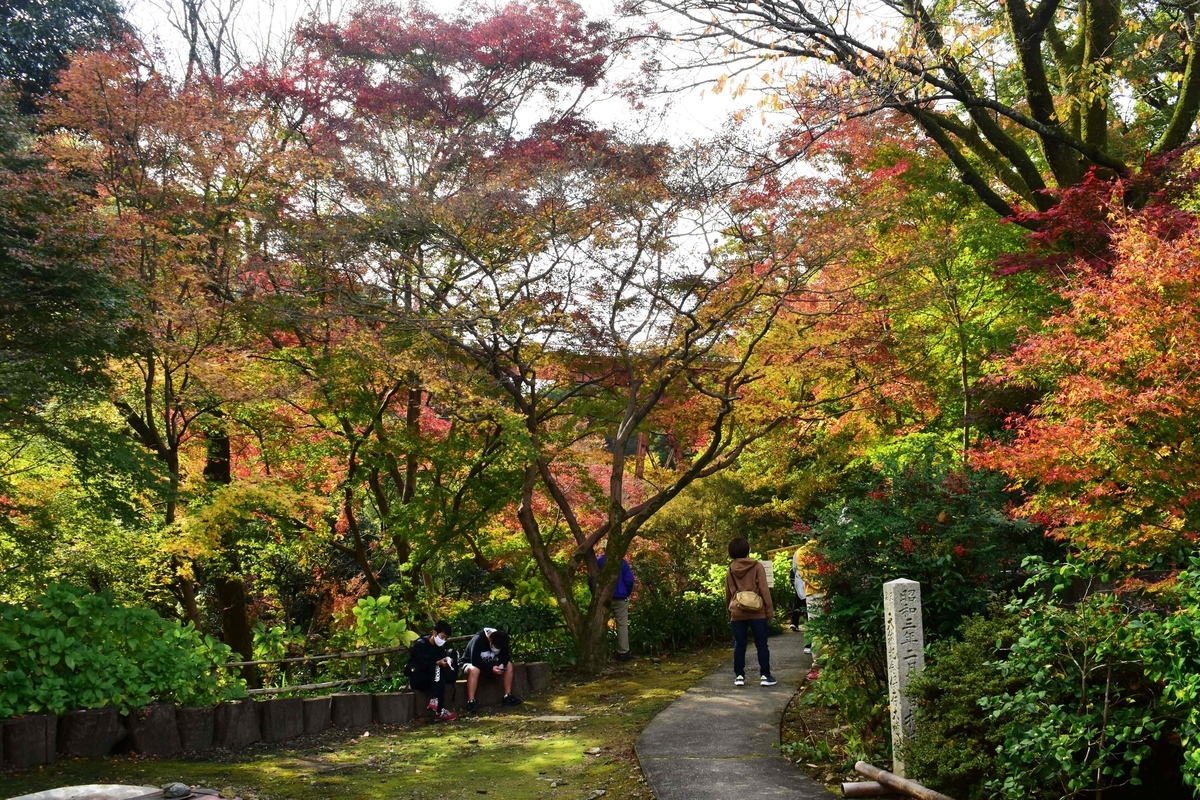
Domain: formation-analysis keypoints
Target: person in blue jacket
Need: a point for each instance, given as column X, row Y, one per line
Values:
column 620, row 607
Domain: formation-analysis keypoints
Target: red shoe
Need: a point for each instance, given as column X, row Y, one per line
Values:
column 445, row 715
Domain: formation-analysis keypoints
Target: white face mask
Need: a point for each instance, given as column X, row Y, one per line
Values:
column 439, row 640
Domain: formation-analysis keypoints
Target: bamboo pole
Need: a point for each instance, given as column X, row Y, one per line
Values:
column 866, row 789
column 898, row 784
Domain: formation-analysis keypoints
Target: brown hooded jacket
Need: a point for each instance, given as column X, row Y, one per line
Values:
column 748, row 575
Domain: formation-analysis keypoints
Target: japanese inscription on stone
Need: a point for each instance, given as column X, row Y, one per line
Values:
column 905, row 654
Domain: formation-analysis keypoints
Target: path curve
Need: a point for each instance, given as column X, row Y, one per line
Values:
column 721, row 742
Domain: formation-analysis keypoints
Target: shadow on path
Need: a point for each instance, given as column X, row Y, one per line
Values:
column 721, row 742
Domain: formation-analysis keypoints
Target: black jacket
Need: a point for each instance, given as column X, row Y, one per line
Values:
column 479, row 652
column 424, row 657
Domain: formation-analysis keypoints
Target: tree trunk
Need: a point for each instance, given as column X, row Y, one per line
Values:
column 591, row 642
column 235, row 622
column 231, row 592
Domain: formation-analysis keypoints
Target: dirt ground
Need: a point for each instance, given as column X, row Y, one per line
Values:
column 511, row 754
column 812, row 738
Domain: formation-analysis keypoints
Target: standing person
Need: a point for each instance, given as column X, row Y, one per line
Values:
column 799, row 601
column 620, row 607
column 814, row 598
column 487, row 656
column 430, row 669
column 750, row 606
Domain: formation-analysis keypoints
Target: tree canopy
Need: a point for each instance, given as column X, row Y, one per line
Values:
column 1022, row 98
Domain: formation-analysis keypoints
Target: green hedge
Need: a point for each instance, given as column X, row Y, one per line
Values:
column 70, row 649
column 660, row 624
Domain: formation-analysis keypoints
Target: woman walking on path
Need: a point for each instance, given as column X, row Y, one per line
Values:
column 750, row 606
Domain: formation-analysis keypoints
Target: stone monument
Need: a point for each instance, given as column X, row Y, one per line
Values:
column 905, row 655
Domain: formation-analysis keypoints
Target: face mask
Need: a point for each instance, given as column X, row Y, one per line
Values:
column 439, row 640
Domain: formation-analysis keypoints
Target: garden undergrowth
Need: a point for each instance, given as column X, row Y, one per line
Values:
column 815, row 738
column 509, row 754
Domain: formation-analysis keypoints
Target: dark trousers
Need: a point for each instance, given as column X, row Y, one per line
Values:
column 434, row 684
column 798, row 605
column 740, row 630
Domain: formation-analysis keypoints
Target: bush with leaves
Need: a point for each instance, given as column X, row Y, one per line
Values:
column 69, row 649
column 537, row 630
column 1109, row 690
column 660, row 624
column 954, row 749
column 909, row 515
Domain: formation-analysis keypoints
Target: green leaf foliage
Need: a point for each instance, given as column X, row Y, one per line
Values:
column 69, row 649
column 954, row 750
column 1108, row 690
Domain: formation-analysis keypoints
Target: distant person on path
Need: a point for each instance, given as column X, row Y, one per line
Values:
column 487, row 656
column 746, row 581
column 814, row 598
column 799, row 594
column 620, row 607
column 431, row 669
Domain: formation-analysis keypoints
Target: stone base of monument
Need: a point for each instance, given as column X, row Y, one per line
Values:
column 282, row 718
column 395, row 708
column 154, row 730
column 317, row 714
column 29, row 741
column 89, row 733
column 236, row 725
column 196, row 726
column 351, row 710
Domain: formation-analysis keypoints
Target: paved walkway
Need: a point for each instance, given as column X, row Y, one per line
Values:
column 721, row 742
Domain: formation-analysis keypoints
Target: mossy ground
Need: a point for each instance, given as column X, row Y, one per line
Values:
column 508, row 754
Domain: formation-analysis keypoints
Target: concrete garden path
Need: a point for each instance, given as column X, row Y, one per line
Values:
column 721, row 742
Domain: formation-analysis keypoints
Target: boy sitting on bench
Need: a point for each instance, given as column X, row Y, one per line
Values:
column 487, row 655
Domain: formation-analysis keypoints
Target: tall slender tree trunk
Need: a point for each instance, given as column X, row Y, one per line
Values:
column 187, row 586
column 230, row 587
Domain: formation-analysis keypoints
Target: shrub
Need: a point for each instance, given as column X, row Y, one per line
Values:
column 69, row 649
column 1106, row 686
column 922, row 519
column 538, row 631
column 954, row 750
column 659, row 624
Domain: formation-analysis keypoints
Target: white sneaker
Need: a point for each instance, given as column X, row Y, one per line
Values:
column 740, row 680
column 807, row 650
column 767, row 680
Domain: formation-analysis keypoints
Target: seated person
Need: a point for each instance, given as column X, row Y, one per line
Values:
column 487, row 655
column 431, row 669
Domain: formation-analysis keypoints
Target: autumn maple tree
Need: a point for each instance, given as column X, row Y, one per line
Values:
column 186, row 171
column 1021, row 97
column 1109, row 453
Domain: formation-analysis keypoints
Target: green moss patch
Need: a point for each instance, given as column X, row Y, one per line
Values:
column 515, row 753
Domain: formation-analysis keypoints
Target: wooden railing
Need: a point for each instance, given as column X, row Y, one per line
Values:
column 361, row 655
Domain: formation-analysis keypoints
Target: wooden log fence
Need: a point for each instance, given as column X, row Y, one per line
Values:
column 361, row 655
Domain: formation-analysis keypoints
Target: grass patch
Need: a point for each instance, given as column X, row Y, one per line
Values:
column 509, row 754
